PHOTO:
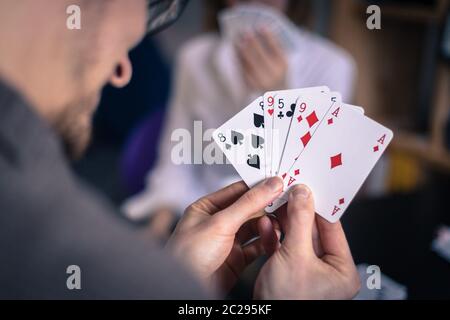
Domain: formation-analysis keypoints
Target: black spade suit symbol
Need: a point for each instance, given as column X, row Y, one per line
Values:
column 258, row 120
column 254, row 161
column 289, row 114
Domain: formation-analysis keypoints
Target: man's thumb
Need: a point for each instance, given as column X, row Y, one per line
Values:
column 251, row 203
column 300, row 219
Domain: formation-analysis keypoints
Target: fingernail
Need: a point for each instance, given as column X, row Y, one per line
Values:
column 301, row 191
column 275, row 184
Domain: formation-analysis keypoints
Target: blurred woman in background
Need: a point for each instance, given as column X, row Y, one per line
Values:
column 214, row 80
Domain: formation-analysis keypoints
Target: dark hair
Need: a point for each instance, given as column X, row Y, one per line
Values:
column 212, row 9
column 298, row 11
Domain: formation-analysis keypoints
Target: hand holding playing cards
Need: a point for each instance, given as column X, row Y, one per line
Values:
column 263, row 60
column 314, row 260
column 210, row 236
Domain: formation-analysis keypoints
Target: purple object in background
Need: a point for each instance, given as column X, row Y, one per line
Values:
column 141, row 152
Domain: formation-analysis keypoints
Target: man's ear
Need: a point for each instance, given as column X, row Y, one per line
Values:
column 122, row 73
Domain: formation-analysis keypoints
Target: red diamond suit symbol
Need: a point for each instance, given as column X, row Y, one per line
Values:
column 336, row 161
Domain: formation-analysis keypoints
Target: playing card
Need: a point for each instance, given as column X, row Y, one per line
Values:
column 236, row 21
column 302, row 135
column 268, row 135
column 334, row 165
column 280, row 108
column 242, row 141
column 356, row 108
column 234, row 24
column 308, row 115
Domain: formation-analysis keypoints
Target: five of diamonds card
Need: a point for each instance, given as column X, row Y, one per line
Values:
column 305, row 136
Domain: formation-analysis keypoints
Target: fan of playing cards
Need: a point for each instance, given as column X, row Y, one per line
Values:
column 305, row 136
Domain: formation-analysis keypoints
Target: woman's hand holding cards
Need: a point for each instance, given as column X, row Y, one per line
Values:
column 263, row 60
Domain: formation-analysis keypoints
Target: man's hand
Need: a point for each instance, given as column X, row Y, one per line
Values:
column 314, row 260
column 160, row 224
column 210, row 236
column 264, row 62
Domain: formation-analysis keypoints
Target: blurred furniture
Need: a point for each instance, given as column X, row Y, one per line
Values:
column 401, row 82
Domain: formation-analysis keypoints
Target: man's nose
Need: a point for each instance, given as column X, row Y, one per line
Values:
column 122, row 74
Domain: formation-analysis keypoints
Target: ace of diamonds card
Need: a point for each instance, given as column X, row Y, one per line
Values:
column 339, row 158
